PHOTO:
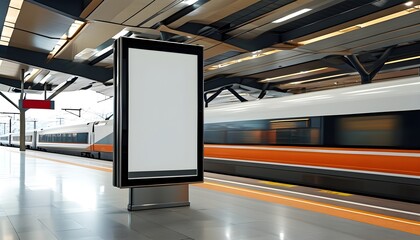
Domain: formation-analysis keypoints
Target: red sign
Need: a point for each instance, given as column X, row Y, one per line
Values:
column 40, row 104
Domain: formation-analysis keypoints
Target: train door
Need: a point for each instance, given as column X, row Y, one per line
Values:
column 92, row 137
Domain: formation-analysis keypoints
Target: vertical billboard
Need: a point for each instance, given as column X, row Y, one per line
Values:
column 158, row 113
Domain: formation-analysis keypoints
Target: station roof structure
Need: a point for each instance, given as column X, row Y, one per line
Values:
column 278, row 45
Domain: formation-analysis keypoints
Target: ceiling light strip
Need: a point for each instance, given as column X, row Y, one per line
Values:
column 254, row 55
column 293, row 74
column 402, row 60
column 9, row 23
column 363, row 25
column 320, row 78
column 292, row 15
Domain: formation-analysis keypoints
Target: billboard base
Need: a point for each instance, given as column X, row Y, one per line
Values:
column 158, row 197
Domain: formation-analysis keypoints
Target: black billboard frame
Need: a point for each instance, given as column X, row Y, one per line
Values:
column 121, row 100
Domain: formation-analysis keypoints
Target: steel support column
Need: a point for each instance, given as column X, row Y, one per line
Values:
column 367, row 75
column 22, row 129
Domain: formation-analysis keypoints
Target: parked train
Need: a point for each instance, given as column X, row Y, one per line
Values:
column 363, row 139
column 92, row 139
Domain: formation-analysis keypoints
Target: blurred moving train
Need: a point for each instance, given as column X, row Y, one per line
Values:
column 363, row 139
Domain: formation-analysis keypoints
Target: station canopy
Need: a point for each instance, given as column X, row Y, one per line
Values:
column 278, row 46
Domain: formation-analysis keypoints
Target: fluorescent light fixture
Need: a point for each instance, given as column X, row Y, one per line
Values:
column 409, row 3
column 12, row 15
column 9, row 24
column 363, row 25
column 320, row 78
column 292, row 74
column 43, row 80
column 10, row 21
column 254, row 55
column 402, row 60
column 16, row 4
column 189, row 2
column 5, row 39
column 7, row 32
column 74, row 28
column 292, row 15
column 120, row 34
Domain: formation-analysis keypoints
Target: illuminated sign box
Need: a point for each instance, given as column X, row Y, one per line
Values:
column 38, row 104
column 158, row 115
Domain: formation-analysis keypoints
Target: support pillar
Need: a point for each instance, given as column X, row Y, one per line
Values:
column 367, row 75
column 22, row 129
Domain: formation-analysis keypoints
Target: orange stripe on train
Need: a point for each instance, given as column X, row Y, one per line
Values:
column 388, row 164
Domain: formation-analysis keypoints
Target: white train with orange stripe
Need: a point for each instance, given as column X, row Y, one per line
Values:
column 92, row 139
column 350, row 139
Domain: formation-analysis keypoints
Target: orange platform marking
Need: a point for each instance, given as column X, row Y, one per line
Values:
column 342, row 212
column 105, row 169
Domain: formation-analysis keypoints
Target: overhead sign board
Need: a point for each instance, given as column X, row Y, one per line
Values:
column 38, row 104
column 158, row 115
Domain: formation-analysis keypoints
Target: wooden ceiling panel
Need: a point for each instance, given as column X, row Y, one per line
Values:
column 92, row 36
column 213, row 11
column 32, row 42
column 148, row 11
column 110, row 9
column 41, row 21
column 265, row 24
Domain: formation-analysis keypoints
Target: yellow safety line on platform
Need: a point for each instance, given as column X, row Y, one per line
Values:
column 335, row 193
column 105, row 169
column 347, row 213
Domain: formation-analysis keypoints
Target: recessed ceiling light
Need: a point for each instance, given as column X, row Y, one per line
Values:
column 189, row 2
column 363, row 25
column 274, row 79
column 255, row 55
column 16, row 3
column 292, row 15
column 402, row 60
column 409, row 3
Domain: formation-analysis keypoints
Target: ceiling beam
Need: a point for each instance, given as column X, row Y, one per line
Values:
column 221, row 81
column 15, row 83
column 39, row 59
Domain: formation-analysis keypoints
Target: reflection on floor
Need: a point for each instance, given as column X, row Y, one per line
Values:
column 50, row 196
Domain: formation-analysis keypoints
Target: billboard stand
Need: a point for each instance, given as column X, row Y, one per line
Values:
column 158, row 197
column 158, row 138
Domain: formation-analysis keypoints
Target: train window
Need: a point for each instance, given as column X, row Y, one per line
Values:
column 308, row 136
column 4, row 138
column 28, row 138
column 15, row 138
column 385, row 131
column 82, row 137
column 290, row 123
column 65, row 137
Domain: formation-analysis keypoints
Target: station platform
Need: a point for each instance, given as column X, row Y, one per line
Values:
column 51, row 196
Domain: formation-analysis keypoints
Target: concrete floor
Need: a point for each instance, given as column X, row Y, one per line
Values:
column 50, row 196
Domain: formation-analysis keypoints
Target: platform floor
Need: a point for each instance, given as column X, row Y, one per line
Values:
column 51, row 196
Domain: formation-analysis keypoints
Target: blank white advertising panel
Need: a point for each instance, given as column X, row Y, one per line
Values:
column 158, row 113
column 162, row 113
